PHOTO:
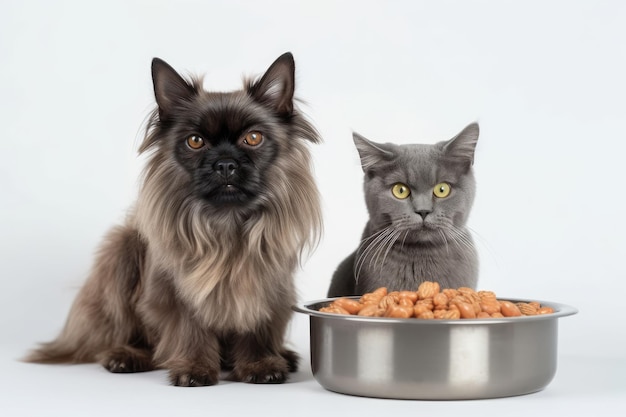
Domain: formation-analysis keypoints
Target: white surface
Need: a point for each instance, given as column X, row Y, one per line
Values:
column 544, row 79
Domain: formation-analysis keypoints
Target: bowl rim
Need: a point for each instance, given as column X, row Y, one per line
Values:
column 560, row 310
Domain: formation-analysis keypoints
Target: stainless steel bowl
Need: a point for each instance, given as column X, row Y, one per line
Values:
column 433, row 359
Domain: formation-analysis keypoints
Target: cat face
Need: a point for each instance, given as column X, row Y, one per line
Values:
column 223, row 147
column 423, row 191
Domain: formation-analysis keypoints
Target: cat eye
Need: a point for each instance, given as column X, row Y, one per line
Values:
column 400, row 191
column 442, row 190
column 253, row 138
column 195, row 142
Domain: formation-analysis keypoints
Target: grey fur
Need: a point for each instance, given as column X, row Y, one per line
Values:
column 400, row 247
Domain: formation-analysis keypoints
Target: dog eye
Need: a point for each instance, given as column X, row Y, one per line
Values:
column 195, row 142
column 253, row 138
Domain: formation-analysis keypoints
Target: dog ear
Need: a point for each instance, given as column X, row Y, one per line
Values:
column 276, row 86
column 170, row 89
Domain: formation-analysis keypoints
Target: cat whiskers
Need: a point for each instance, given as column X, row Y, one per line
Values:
column 461, row 239
column 389, row 242
column 404, row 224
column 480, row 239
column 404, row 238
column 377, row 243
column 445, row 240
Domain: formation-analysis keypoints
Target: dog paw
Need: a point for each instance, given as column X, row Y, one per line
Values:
column 292, row 359
column 269, row 370
column 193, row 378
column 124, row 360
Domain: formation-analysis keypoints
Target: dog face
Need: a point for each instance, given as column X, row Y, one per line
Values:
column 229, row 147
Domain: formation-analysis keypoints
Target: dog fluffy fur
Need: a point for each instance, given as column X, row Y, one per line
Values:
column 198, row 281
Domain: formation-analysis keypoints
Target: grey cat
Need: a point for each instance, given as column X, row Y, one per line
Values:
column 418, row 198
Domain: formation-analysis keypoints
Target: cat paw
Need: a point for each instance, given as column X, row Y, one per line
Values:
column 269, row 370
column 193, row 378
column 126, row 360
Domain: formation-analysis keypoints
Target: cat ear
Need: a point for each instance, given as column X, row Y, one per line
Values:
column 461, row 148
column 169, row 87
column 371, row 153
column 277, row 85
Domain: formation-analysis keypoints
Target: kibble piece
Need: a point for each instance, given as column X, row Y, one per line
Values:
column 421, row 308
column 371, row 310
column 427, row 315
column 351, row 306
column 527, row 309
column 398, row 311
column 334, row 309
column 405, row 302
column 441, row 301
column 508, row 309
column 410, row 295
column 427, row 289
column 450, row 293
column 374, row 297
column 386, row 301
column 466, row 310
column 490, row 306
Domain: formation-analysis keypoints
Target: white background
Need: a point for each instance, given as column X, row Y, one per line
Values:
column 545, row 80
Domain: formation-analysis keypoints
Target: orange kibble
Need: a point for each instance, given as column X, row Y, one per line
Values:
column 527, row 309
column 487, row 295
column 410, row 295
column 420, row 308
column 398, row 311
column 430, row 301
column 490, row 306
column 427, row 289
column 405, row 302
column 452, row 314
column 386, row 301
column 371, row 310
column 469, row 293
column 439, row 314
column 545, row 310
column 466, row 310
column 351, row 306
column 373, row 297
column 450, row 293
column 427, row 315
column 440, row 300
column 334, row 309
column 508, row 309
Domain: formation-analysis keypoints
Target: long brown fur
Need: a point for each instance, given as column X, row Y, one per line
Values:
column 195, row 290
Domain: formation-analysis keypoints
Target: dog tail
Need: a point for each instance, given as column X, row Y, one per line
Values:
column 103, row 314
column 57, row 351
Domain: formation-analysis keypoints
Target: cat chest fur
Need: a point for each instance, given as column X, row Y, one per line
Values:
column 406, row 266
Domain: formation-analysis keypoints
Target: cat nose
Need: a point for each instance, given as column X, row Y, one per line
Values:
column 225, row 167
column 423, row 213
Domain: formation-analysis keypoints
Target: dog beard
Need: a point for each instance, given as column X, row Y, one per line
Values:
column 200, row 277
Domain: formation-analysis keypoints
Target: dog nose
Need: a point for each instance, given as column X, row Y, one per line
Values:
column 226, row 167
column 424, row 213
